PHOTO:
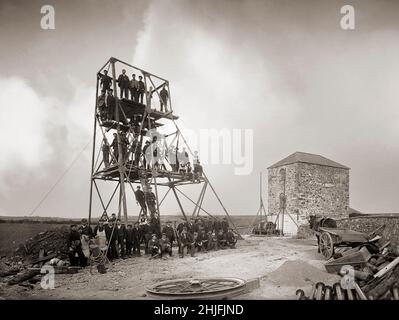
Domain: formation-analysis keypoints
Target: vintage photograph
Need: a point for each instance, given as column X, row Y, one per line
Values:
column 167, row 150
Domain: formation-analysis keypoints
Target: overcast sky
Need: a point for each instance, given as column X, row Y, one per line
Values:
column 284, row 69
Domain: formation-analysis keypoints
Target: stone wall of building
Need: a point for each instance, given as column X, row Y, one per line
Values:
column 322, row 190
column 368, row 224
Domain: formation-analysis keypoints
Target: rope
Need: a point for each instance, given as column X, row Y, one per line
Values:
column 59, row 179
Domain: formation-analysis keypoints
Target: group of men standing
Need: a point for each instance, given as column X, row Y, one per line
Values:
column 121, row 241
column 133, row 88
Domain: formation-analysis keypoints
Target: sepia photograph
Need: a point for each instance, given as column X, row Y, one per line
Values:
column 168, row 152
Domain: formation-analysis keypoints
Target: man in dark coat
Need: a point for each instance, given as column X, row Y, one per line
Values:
column 105, row 81
column 75, row 247
column 110, row 233
column 134, row 88
column 123, row 83
column 164, row 95
column 111, row 105
column 85, row 229
column 136, row 239
column 186, row 241
column 145, row 231
column 115, row 149
column 141, row 90
column 170, row 233
column 129, row 240
column 153, row 245
column 106, row 150
column 221, row 240
column 140, row 199
column 121, row 237
column 101, row 106
column 230, row 239
column 165, row 245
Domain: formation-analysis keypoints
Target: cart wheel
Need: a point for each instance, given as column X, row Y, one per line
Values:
column 326, row 245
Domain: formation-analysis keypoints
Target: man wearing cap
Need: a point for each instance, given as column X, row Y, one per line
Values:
column 115, row 148
column 75, row 247
column 123, row 83
column 129, row 240
column 134, row 88
column 164, row 95
column 165, row 245
column 110, row 233
column 84, row 229
column 141, row 90
column 140, row 199
column 105, row 81
column 111, row 104
column 101, row 106
column 168, row 230
column 136, row 239
column 186, row 241
column 230, row 238
column 153, row 245
column 121, row 237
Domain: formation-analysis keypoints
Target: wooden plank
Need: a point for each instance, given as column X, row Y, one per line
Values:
column 389, row 267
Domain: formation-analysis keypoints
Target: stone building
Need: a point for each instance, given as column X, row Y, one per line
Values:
column 312, row 184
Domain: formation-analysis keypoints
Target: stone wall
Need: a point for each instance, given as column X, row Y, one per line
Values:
column 322, row 190
column 368, row 224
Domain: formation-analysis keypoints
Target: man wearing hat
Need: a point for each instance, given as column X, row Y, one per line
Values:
column 134, row 88
column 165, row 246
column 84, row 228
column 105, row 81
column 168, row 230
column 141, row 90
column 115, row 148
column 123, row 83
column 153, row 245
column 140, row 199
column 111, row 104
column 101, row 106
column 75, row 247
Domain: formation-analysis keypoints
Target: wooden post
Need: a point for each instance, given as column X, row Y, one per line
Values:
column 93, row 152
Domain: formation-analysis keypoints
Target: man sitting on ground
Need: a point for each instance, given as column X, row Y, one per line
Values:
column 230, row 239
column 153, row 246
column 165, row 246
column 221, row 240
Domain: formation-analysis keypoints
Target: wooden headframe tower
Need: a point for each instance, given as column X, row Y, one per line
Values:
column 134, row 124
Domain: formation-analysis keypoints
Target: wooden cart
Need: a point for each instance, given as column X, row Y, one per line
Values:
column 331, row 238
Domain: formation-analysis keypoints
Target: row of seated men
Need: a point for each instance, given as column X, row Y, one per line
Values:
column 123, row 242
column 133, row 89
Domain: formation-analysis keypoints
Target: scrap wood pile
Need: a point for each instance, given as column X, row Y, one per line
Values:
column 49, row 247
column 369, row 272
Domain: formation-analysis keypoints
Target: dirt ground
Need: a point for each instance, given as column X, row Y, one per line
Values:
column 281, row 264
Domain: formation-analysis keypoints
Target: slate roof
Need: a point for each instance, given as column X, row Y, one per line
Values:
column 303, row 157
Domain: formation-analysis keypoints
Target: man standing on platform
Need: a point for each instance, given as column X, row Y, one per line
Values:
column 134, row 88
column 123, row 83
column 105, row 81
column 141, row 90
column 164, row 95
column 111, row 104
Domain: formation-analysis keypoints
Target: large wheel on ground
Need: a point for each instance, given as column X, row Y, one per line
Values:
column 207, row 288
column 326, row 245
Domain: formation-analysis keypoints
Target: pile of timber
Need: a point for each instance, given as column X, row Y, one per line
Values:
column 53, row 241
column 368, row 273
column 25, row 266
